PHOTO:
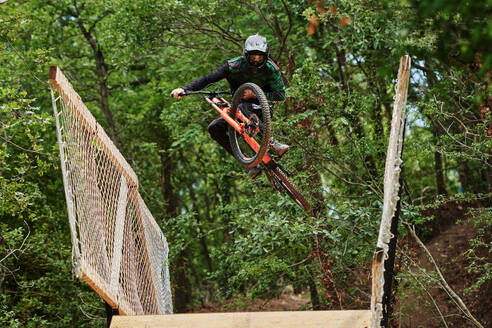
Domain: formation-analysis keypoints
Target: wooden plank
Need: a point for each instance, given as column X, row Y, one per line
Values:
column 91, row 282
column 292, row 319
column 73, row 100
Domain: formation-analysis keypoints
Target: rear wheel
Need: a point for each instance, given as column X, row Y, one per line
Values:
column 282, row 183
column 259, row 130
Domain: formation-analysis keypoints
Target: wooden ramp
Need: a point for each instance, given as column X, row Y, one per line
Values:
column 293, row 319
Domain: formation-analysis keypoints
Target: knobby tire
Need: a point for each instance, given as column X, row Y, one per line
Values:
column 266, row 133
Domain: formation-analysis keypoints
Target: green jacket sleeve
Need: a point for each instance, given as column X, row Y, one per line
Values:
column 277, row 92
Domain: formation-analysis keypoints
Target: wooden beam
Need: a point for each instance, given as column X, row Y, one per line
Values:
column 74, row 101
column 90, row 281
column 293, row 319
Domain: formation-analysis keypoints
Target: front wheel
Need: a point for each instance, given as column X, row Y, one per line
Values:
column 257, row 129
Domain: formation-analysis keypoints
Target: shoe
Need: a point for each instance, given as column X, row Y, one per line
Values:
column 253, row 172
column 277, row 148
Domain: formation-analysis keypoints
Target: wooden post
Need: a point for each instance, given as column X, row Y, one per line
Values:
column 382, row 266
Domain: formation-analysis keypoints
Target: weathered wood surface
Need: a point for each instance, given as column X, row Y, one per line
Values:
column 391, row 189
column 292, row 319
column 74, row 101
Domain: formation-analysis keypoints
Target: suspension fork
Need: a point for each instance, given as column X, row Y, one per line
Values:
column 239, row 127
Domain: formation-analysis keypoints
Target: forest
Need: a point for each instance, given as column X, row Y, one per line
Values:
column 233, row 240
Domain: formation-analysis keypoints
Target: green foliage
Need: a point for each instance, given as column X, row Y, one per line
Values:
column 463, row 28
column 235, row 236
column 481, row 248
column 22, row 128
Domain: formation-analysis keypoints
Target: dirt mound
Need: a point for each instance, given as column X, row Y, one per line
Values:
column 448, row 239
column 451, row 233
column 444, row 217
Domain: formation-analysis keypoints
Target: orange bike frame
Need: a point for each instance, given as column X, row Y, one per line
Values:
column 239, row 127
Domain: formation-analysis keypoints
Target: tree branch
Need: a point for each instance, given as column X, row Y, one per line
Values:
column 430, row 296
column 284, row 39
column 442, row 281
column 100, row 18
column 21, row 148
column 227, row 35
column 20, row 248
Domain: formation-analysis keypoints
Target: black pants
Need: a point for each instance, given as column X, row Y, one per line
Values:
column 218, row 128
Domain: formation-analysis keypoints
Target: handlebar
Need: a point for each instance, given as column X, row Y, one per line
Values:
column 208, row 93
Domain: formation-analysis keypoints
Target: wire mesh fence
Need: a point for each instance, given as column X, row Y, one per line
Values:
column 117, row 247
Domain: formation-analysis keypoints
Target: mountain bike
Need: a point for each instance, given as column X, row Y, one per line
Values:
column 250, row 135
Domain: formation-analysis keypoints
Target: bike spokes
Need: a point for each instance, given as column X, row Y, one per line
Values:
column 252, row 131
column 249, row 145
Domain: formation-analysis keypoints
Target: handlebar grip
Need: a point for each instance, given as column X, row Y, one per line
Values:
column 179, row 94
column 209, row 93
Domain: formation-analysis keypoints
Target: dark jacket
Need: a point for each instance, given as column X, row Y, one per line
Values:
column 238, row 71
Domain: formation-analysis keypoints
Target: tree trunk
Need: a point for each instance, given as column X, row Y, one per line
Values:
column 314, row 292
column 488, row 176
column 203, row 240
column 168, row 196
column 436, row 131
column 440, row 182
column 3, row 253
column 388, row 111
column 102, row 75
column 282, row 40
column 441, row 186
column 179, row 263
column 182, row 285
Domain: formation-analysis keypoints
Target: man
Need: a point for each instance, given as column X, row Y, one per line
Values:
column 254, row 66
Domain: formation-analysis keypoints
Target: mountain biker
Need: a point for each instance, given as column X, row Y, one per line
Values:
column 254, row 66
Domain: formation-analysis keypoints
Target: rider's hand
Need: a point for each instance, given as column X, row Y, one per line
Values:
column 176, row 93
column 248, row 94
